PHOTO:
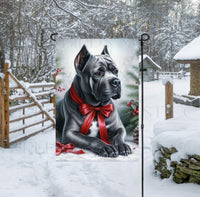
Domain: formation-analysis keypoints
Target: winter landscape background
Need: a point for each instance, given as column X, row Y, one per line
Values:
column 26, row 27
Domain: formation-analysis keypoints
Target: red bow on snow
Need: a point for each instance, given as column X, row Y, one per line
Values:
column 66, row 148
column 91, row 111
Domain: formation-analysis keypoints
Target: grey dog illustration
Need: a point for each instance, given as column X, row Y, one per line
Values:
column 88, row 102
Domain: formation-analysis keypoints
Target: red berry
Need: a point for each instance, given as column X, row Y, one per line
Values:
column 129, row 103
column 134, row 113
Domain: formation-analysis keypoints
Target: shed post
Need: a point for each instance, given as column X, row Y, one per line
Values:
column 195, row 79
column 168, row 100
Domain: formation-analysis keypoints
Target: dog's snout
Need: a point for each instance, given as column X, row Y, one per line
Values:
column 115, row 82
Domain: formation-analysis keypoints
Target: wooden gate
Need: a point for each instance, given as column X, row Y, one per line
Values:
column 25, row 106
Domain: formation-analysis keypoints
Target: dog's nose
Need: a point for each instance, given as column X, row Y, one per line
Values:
column 115, row 82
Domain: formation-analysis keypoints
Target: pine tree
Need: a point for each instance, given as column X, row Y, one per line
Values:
column 130, row 108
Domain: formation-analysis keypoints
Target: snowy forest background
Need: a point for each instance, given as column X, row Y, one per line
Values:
column 26, row 27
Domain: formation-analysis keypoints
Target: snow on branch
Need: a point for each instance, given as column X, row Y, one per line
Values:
column 90, row 6
column 66, row 11
column 43, row 5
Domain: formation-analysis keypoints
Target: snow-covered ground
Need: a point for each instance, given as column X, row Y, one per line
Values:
column 30, row 167
column 155, row 112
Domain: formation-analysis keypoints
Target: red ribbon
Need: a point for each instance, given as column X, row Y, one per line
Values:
column 66, row 148
column 91, row 111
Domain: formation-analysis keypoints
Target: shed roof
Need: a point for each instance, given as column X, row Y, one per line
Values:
column 150, row 60
column 190, row 52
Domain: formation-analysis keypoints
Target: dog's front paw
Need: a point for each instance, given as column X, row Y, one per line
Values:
column 123, row 149
column 108, row 151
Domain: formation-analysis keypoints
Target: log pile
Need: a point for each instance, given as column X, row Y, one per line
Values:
column 185, row 171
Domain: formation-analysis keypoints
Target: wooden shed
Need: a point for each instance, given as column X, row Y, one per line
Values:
column 190, row 54
column 151, row 68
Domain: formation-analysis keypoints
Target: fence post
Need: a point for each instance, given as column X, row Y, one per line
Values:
column 2, row 113
column 169, row 100
column 6, row 105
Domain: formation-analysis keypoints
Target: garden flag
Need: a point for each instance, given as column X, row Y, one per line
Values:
column 97, row 104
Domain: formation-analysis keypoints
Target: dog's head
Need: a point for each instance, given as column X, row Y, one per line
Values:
column 98, row 75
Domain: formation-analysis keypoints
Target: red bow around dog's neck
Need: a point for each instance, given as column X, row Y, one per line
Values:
column 91, row 111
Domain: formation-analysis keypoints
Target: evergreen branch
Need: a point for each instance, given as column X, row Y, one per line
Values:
column 133, row 94
column 132, row 86
column 134, row 119
column 129, row 128
column 124, row 103
column 133, row 76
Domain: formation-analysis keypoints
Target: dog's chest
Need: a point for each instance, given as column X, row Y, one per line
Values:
column 94, row 129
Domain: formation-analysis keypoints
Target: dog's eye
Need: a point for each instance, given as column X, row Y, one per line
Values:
column 115, row 72
column 97, row 74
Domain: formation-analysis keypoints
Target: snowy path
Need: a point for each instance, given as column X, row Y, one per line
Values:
column 29, row 168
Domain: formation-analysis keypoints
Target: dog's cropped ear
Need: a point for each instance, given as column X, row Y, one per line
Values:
column 81, row 59
column 105, row 51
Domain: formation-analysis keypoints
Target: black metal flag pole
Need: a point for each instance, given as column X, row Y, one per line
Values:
column 143, row 37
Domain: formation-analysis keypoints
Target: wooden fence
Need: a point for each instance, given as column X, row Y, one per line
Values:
column 14, row 119
column 170, row 74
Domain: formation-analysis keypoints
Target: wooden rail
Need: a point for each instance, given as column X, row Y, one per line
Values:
column 17, row 107
column 34, row 86
column 25, row 117
column 32, row 134
column 28, row 125
column 170, row 74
